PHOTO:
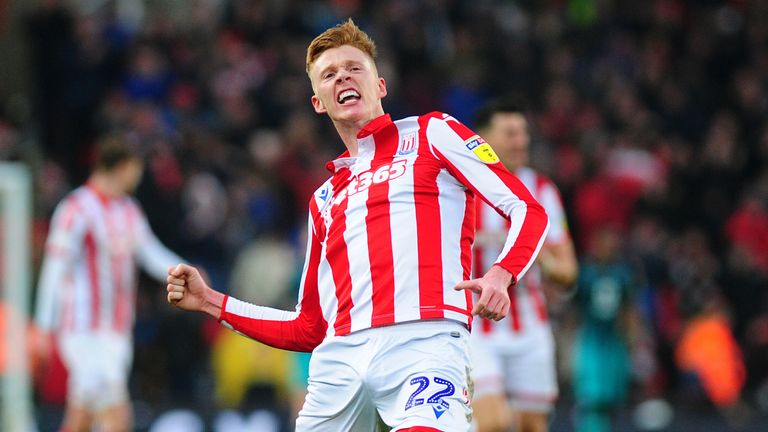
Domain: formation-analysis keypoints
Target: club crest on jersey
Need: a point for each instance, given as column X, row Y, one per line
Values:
column 481, row 149
column 407, row 145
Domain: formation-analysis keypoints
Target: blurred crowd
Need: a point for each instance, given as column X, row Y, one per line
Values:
column 649, row 116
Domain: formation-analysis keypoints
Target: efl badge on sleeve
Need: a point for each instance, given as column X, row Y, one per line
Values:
column 481, row 149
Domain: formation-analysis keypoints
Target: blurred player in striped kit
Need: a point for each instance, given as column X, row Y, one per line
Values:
column 514, row 359
column 385, row 303
column 87, row 287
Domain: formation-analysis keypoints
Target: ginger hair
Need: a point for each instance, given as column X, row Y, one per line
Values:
column 346, row 33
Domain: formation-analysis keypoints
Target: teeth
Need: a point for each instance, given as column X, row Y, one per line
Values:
column 348, row 93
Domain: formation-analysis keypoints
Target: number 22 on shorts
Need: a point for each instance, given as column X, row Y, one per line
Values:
column 436, row 400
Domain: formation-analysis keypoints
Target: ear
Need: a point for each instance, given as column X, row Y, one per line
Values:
column 317, row 104
column 382, row 88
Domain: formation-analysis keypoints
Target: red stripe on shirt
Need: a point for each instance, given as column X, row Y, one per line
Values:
column 338, row 257
column 379, row 232
column 541, row 182
column 428, row 228
column 467, row 238
column 123, row 298
column 71, row 210
column 514, row 312
column 538, row 300
column 67, row 316
column 68, row 313
column 93, row 277
column 486, row 326
column 118, row 302
column 317, row 219
column 313, row 326
column 479, row 251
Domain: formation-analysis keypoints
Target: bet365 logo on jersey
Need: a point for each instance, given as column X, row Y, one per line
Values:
column 366, row 179
column 439, row 405
column 481, row 149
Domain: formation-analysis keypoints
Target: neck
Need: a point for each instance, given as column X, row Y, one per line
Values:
column 105, row 184
column 348, row 134
column 348, row 131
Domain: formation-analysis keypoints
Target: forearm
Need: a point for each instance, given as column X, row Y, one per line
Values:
column 291, row 331
column 299, row 330
column 529, row 225
column 563, row 275
column 212, row 303
column 559, row 264
column 502, row 275
column 155, row 258
column 51, row 277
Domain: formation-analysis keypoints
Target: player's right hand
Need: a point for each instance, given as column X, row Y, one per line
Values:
column 186, row 288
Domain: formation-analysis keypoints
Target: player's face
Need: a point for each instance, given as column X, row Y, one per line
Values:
column 347, row 86
column 129, row 174
column 508, row 135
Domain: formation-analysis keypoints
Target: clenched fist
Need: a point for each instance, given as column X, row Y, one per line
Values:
column 188, row 291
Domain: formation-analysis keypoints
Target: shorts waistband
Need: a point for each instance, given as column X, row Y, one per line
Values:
column 430, row 326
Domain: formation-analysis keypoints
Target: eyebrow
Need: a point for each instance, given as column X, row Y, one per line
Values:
column 346, row 64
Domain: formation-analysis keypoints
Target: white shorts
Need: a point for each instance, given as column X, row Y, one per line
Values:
column 524, row 372
column 410, row 374
column 98, row 365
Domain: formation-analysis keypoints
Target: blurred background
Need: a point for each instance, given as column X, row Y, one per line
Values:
column 650, row 116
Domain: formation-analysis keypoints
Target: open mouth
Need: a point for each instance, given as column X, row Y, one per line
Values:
column 348, row 95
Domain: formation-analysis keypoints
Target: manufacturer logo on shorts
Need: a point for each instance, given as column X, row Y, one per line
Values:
column 481, row 149
column 439, row 410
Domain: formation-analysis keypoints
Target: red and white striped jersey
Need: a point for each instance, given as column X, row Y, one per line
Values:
column 527, row 303
column 390, row 234
column 88, row 278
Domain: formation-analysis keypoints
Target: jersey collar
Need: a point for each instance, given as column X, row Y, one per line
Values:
column 344, row 160
column 374, row 126
column 103, row 197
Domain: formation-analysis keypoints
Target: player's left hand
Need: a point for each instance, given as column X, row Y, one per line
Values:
column 492, row 288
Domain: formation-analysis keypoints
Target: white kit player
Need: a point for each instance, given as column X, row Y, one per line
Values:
column 87, row 287
column 385, row 301
column 514, row 359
